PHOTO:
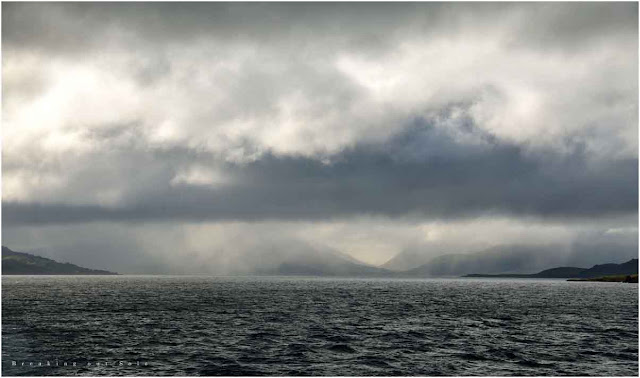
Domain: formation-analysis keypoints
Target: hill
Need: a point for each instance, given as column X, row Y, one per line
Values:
column 628, row 268
column 325, row 262
column 272, row 256
column 406, row 260
column 339, row 268
column 14, row 263
column 513, row 259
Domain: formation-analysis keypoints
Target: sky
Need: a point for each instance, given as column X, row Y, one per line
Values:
column 170, row 137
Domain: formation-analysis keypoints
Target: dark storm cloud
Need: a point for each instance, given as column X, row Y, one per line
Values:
column 421, row 172
column 350, row 142
column 78, row 26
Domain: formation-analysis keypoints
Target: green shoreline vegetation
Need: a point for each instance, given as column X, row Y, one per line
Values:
column 633, row 278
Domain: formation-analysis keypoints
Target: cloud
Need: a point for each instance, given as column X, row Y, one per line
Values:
column 423, row 173
column 213, row 112
column 237, row 81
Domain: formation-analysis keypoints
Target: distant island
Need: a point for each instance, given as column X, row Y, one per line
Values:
column 16, row 263
column 595, row 273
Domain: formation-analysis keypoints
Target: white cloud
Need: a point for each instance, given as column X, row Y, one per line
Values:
column 200, row 175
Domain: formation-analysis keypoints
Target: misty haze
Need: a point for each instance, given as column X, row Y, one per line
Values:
column 286, row 189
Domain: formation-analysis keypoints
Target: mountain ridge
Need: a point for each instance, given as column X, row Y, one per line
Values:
column 599, row 270
column 18, row 263
column 512, row 259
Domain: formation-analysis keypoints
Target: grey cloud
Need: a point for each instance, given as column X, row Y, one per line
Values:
column 229, row 63
column 82, row 25
column 590, row 248
column 421, row 172
column 563, row 25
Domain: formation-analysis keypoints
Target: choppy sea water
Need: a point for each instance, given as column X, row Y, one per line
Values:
column 315, row 326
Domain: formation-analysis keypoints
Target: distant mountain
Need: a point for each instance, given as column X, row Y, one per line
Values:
column 322, row 263
column 273, row 256
column 344, row 269
column 406, row 260
column 628, row 268
column 513, row 259
column 25, row 263
column 561, row 272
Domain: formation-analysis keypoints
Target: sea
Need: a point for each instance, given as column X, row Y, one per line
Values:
column 299, row 326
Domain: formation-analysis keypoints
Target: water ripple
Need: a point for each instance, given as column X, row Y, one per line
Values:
column 309, row 326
